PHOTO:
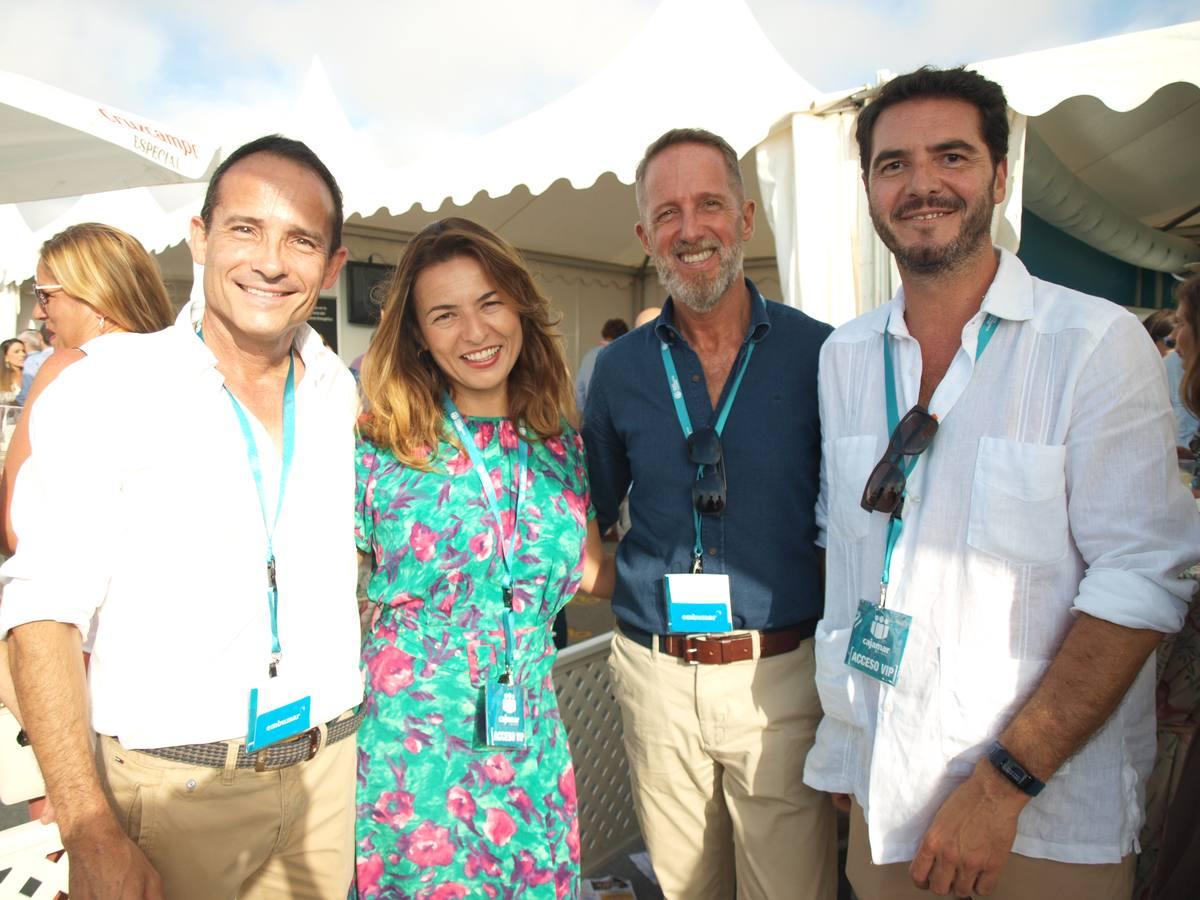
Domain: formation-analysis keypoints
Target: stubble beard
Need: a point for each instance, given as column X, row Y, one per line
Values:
column 926, row 259
column 697, row 292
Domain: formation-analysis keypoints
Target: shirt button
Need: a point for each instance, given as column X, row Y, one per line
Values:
column 191, row 785
column 695, row 378
column 712, row 551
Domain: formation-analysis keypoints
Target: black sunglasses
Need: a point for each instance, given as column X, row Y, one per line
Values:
column 708, row 490
column 912, row 437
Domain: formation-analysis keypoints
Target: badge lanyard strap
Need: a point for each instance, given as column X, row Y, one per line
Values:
column 289, row 451
column 685, row 420
column 896, row 523
column 508, row 554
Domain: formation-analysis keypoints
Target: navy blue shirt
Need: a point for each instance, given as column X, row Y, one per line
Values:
column 772, row 451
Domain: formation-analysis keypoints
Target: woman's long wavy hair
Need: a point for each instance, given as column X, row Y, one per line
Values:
column 111, row 272
column 404, row 387
column 1187, row 295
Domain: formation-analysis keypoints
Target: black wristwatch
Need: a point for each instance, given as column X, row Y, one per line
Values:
column 1013, row 770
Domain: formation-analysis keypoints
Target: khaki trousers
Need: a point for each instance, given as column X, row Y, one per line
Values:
column 1023, row 877
column 216, row 834
column 716, row 759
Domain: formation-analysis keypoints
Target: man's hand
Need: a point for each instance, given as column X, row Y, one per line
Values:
column 971, row 836
column 106, row 865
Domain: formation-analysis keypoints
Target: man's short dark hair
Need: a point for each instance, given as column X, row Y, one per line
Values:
column 941, row 84
column 293, row 150
column 613, row 329
column 689, row 136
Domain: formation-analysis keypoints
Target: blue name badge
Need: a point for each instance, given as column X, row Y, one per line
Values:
column 877, row 642
column 504, row 715
column 272, row 722
column 698, row 604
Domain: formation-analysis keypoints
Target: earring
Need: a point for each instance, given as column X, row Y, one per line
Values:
column 101, row 318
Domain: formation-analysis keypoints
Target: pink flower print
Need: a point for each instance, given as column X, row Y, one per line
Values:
column 460, row 803
column 566, row 787
column 394, row 808
column 491, row 890
column 367, row 875
column 423, row 541
column 498, row 770
column 430, row 845
column 525, row 870
column 555, row 446
column 564, row 883
column 499, row 827
column 508, row 521
column 450, row 891
column 508, row 435
column 483, row 860
column 481, row 545
column 484, row 435
column 577, row 504
column 412, row 745
column 457, row 463
column 519, row 800
column 391, row 670
column 573, row 839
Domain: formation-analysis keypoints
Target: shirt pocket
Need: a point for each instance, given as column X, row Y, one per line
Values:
column 1019, row 501
column 840, row 691
column 978, row 697
column 850, row 463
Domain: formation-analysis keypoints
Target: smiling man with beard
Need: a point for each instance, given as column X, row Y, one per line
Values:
column 1001, row 570
column 707, row 417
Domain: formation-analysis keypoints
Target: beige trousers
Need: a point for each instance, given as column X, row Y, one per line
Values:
column 216, row 834
column 716, row 759
column 1023, row 877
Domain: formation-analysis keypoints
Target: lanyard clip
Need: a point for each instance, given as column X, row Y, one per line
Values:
column 882, row 594
column 508, row 598
column 271, row 573
column 273, row 666
column 697, row 565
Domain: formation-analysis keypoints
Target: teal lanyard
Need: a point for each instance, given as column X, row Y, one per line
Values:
column 508, row 554
column 896, row 523
column 289, row 451
column 685, row 420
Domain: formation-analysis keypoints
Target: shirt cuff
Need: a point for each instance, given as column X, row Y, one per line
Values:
column 1131, row 600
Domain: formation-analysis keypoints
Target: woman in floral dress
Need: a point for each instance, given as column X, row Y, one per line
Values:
column 465, row 380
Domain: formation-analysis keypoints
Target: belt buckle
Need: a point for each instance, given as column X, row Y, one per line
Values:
column 314, row 741
column 691, row 648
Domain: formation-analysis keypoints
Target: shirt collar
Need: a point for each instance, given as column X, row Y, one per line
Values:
column 760, row 318
column 319, row 361
column 1010, row 296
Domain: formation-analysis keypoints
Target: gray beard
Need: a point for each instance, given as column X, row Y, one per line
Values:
column 925, row 260
column 699, row 294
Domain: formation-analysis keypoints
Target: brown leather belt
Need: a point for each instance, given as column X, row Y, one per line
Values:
column 301, row 748
column 718, row 649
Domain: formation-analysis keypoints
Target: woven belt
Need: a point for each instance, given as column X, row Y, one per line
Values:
column 301, row 748
column 718, row 649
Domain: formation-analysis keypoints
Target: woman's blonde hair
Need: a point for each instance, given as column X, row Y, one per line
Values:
column 111, row 272
column 1187, row 295
column 403, row 386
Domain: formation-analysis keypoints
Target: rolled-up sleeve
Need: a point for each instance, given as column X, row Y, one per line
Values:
column 1134, row 522
column 65, row 511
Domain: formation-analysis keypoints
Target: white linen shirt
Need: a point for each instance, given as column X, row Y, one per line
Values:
column 138, row 508
column 1050, row 488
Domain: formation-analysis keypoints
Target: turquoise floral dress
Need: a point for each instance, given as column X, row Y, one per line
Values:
column 439, row 815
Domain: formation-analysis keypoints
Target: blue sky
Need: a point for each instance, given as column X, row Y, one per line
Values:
column 414, row 73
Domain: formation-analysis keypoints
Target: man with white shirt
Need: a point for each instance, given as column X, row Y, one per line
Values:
column 1000, row 572
column 188, row 508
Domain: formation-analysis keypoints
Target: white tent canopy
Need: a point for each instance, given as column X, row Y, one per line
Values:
column 57, row 144
column 1100, row 173
column 557, row 180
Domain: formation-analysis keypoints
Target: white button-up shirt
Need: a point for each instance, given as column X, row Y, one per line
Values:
column 139, row 522
column 1050, row 488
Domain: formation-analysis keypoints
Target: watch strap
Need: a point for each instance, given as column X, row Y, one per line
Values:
column 1011, row 769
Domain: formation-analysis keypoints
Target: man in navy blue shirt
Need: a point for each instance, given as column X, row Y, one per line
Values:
column 707, row 418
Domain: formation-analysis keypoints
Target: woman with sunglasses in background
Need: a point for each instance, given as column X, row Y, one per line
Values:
column 93, row 282
column 12, row 354
column 473, row 501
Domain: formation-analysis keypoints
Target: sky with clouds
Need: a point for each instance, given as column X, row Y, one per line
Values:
column 413, row 72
